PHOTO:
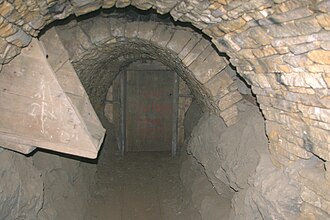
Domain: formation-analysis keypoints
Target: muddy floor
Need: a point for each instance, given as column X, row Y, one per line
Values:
column 139, row 186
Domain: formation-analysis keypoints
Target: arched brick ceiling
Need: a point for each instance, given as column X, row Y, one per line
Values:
column 99, row 46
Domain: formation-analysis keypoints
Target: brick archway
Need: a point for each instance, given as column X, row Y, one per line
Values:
column 105, row 39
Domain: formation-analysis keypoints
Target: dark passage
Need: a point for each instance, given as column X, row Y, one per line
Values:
column 139, row 186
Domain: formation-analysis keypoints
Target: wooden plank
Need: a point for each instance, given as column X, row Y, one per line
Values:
column 37, row 112
column 70, row 82
column 123, row 91
column 149, row 110
column 175, row 114
column 25, row 149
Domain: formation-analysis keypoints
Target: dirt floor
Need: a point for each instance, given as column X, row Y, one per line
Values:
column 139, row 186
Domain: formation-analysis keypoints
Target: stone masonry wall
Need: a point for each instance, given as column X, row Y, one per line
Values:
column 101, row 45
column 281, row 48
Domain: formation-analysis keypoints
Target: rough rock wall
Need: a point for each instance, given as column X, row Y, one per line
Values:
column 21, row 187
column 237, row 163
column 43, row 186
column 210, row 205
column 229, row 154
column 275, row 193
column 192, row 116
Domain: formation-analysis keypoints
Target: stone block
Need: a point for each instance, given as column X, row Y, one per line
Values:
column 290, row 15
column 248, row 53
column 7, row 29
column 320, row 56
column 20, row 38
column 254, row 37
column 75, row 48
column 325, row 45
column 123, row 3
column 229, row 100
column 98, row 29
column 318, row 68
column 131, row 29
column 214, row 31
column 6, row 9
column 179, row 40
column 231, row 121
column 280, row 104
column 281, row 156
column 164, row 6
column 326, row 78
column 231, row 25
column 205, row 69
column 317, row 138
column 289, row 41
column 296, row 28
column 108, row 3
column 323, row 6
column 162, row 35
column 282, row 50
column 297, row 60
column 229, row 113
column 296, row 150
column 198, row 49
column 218, row 84
column 312, row 80
column 10, row 53
column 188, row 47
column 117, row 27
column 303, row 48
column 315, row 113
column 83, row 7
column 38, row 22
column 264, row 51
column 285, row 6
column 141, row 4
column 146, row 30
column 324, row 20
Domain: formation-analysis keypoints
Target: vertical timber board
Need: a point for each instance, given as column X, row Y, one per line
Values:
column 35, row 111
column 149, row 110
column 123, row 90
column 175, row 114
column 58, row 59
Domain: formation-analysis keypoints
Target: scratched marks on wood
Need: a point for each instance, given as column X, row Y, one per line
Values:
column 37, row 111
column 44, row 108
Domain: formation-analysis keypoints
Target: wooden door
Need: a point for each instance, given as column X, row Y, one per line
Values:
column 150, row 110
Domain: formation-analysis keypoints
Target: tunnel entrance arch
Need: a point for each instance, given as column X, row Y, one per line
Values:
column 101, row 46
column 111, row 40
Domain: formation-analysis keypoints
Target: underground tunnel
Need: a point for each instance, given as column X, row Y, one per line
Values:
column 117, row 109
